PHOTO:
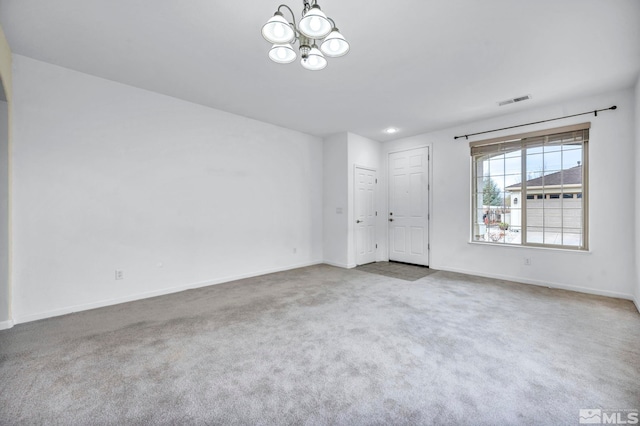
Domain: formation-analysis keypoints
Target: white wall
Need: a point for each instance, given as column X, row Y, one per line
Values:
column 6, row 80
column 4, row 212
column 335, row 199
column 107, row 176
column 637, row 198
column 608, row 268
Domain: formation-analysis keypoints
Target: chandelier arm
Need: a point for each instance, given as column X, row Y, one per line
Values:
column 305, row 7
column 332, row 22
column 292, row 15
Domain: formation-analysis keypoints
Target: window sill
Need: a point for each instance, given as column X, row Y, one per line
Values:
column 565, row 250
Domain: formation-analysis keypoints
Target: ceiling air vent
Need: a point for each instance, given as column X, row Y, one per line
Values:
column 514, row 100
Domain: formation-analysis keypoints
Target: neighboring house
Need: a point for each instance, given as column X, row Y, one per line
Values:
column 553, row 201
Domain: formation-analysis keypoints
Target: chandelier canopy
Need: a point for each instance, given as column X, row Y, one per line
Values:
column 314, row 29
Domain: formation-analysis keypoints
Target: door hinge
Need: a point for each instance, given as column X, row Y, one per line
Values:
column 376, row 180
column 376, row 213
column 428, row 216
column 428, row 246
column 376, row 245
column 428, row 187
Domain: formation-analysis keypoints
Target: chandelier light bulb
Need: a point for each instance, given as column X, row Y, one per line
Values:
column 334, row 45
column 315, row 23
column 314, row 61
column 282, row 53
column 277, row 30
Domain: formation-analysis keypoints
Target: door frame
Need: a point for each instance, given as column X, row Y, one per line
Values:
column 429, row 146
column 352, row 217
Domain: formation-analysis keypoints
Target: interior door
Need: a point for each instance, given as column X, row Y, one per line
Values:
column 409, row 206
column 365, row 215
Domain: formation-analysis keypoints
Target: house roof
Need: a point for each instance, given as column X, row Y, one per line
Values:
column 572, row 176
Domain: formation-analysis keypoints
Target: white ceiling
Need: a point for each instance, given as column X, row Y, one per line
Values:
column 416, row 65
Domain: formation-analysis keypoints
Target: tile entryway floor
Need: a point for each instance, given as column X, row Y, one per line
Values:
column 402, row 271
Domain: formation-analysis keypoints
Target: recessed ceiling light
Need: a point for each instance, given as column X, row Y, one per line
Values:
column 390, row 130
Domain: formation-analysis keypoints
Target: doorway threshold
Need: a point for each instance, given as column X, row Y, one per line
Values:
column 399, row 270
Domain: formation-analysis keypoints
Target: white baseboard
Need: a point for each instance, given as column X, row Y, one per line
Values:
column 340, row 265
column 146, row 295
column 337, row 264
column 138, row 296
column 542, row 283
column 4, row 325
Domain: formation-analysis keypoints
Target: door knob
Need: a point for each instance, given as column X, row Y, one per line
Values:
column 358, row 221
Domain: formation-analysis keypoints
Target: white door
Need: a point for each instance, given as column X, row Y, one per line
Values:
column 365, row 215
column 409, row 206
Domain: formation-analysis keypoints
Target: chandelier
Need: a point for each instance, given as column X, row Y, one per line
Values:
column 314, row 28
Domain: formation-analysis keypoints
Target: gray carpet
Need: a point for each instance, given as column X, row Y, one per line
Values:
column 323, row 345
column 401, row 271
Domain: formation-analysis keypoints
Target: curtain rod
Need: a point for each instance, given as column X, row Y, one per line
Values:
column 536, row 122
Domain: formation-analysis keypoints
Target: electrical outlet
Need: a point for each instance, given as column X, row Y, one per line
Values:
column 119, row 274
column 527, row 261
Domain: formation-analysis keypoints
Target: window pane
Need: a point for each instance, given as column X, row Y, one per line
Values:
column 572, row 238
column 534, row 216
column 534, row 235
column 534, row 165
column 552, row 218
column 514, row 219
column 571, row 156
column 513, row 182
column 535, row 224
column 551, row 147
column 496, row 165
column 552, row 161
column 572, row 220
column 553, row 236
column 512, row 165
column 570, row 214
column 535, row 150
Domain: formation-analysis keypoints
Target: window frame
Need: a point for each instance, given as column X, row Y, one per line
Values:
column 501, row 145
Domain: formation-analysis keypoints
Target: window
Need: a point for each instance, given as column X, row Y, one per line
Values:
column 531, row 189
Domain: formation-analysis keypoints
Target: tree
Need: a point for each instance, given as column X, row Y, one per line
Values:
column 491, row 193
